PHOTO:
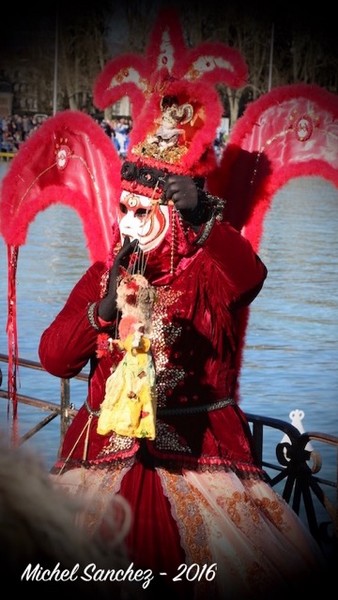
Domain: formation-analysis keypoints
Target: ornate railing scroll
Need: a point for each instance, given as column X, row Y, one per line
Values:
column 298, row 475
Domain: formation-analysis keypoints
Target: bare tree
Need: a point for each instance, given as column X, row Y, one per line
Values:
column 252, row 37
column 89, row 36
column 311, row 62
column 83, row 53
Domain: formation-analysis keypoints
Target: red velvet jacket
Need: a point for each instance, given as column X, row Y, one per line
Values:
column 196, row 343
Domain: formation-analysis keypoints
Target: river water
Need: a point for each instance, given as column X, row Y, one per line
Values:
column 291, row 353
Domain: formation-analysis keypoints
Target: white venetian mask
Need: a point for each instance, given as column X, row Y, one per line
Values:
column 142, row 218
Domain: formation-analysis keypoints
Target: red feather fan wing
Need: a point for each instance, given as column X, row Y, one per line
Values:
column 289, row 132
column 292, row 131
column 69, row 160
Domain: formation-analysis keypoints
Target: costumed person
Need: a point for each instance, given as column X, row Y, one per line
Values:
column 196, row 493
column 161, row 323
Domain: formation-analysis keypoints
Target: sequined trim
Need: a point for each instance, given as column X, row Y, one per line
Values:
column 91, row 315
column 164, row 334
column 118, row 444
column 169, row 441
column 217, row 205
column 192, row 410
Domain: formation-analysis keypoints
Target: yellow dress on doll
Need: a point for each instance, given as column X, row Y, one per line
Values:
column 129, row 405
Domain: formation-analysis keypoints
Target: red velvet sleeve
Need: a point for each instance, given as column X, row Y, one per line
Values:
column 68, row 343
column 236, row 258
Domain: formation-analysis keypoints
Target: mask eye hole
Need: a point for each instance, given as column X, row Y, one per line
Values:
column 123, row 208
column 141, row 212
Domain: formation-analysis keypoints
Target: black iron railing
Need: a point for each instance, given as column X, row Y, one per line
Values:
column 292, row 465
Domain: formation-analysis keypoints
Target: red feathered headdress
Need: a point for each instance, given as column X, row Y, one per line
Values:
column 175, row 101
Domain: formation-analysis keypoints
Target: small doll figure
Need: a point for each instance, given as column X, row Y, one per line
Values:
column 169, row 130
column 129, row 405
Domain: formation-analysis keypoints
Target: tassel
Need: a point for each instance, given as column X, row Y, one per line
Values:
column 12, row 336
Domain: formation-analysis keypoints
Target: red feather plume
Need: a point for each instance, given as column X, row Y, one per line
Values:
column 289, row 132
column 69, row 160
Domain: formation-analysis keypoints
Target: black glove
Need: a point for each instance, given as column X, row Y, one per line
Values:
column 107, row 307
column 188, row 198
column 182, row 191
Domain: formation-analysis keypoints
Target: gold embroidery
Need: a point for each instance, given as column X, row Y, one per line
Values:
column 185, row 503
column 273, row 510
column 164, row 335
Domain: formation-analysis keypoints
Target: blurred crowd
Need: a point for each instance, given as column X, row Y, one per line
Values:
column 15, row 129
column 118, row 129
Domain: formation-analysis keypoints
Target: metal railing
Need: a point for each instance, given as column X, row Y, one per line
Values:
column 6, row 155
column 296, row 473
column 294, row 469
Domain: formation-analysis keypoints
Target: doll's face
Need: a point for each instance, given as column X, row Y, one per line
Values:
column 143, row 219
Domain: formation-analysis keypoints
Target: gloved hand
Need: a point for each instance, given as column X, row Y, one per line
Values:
column 188, row 199
column 107, row 307
column 182, row 191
